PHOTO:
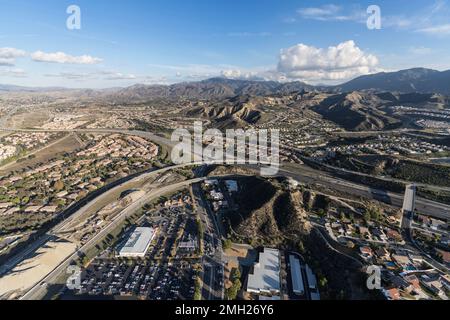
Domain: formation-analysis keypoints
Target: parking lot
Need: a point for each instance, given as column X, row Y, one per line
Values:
column 142, row 280
column 168, row 270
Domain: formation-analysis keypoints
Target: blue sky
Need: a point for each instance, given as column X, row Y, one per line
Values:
column 164, row 41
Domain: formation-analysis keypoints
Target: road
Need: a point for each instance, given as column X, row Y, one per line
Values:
column 428, row 207
column 38, row 242
column 213, row 271
column 303, row 174
column 212, row 262
column 38, row 290
column 311, row 176
column 383, row 178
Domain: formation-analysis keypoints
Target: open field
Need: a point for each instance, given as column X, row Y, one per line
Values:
column 29, row 120
column 31, row 270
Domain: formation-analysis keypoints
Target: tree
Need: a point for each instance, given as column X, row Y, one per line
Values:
column 301, row 247
column 323, row 281
column 235, row 275
column 232, row 292
column 198, row 290
column 321, row 213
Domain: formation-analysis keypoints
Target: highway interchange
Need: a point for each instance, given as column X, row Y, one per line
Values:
column 213, row 271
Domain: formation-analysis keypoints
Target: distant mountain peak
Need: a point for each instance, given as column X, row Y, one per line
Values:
column 420, row 80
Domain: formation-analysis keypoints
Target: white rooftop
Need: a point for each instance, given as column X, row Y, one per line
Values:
column 410, row 198
column 296, row 275
column 138, row 243
column 266, row 274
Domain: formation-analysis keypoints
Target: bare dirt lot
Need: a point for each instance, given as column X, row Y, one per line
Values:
column 35, row 268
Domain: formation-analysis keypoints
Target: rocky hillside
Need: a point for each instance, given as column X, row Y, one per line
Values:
column 412, row 80
column 211, row 89
column 356, row 111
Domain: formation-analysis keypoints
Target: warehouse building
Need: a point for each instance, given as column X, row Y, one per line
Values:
column 265, row 278
column 138, row 243
column 312, row 281
column 296, row 275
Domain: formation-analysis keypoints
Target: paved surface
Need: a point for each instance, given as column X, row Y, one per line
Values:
column 38, row 291
column 212, row 262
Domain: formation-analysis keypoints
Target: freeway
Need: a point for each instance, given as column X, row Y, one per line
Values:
column 66, row 219
column 308, row 175
column 211, row 262
column 382, row 178
column 304, row 173
column 38, row 290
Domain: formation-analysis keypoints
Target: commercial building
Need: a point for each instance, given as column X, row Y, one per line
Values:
column 296, row 275
column 312, row 281
column 138, row 243
column 265, row 278
column 409, row 200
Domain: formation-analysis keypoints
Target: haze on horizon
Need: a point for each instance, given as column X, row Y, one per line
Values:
column 164, row 42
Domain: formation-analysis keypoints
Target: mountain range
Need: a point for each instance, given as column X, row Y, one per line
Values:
column 418, row 80
column 406, row 81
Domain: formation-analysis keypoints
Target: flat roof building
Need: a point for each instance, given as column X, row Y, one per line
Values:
column 266, row 273
column 296, row 275
column 138, row 243
column 312, row 281
column 410, row 198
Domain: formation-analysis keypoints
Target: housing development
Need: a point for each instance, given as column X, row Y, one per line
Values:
column 135, row 191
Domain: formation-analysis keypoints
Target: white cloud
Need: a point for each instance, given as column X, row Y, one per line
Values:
column 71, row 75
column 104, row 75
column 120, row 76
column 7, row 62
column 440, row 30
column 340, row 62
column 240, row 74
column 249, row 34
column 8, row 56
column 13, row 72
column 61, row 57
column 331, row 12
column 327, row 11
column 420, row 50
column 432, row 19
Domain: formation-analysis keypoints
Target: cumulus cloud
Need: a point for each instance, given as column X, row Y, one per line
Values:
column 339, row 62
column 61, row 57
column 8, row 56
